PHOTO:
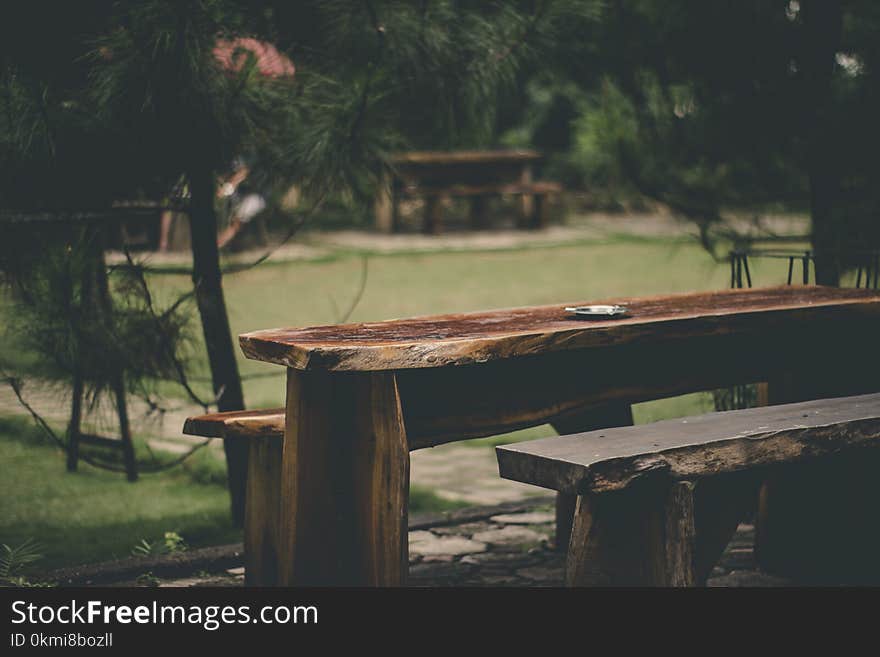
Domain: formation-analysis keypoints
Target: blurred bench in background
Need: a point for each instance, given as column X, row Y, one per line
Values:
column 475, row 175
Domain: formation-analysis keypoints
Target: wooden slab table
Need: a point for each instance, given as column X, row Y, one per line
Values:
column 361, row 396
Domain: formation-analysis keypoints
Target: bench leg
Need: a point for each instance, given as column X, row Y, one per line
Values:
column 616, row 538
column 261, row 516
column 479, row 212
column 566, row 506
column 383, row 205
column 595, row 417
column 433, row 215
column 539, row 212
column 526, row 201
column 817, row 522
column 676, row 550
column 395, row 210
column 651, row 534
column 345, row 481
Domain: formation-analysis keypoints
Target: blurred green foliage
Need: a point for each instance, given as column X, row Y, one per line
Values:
column 716, row 105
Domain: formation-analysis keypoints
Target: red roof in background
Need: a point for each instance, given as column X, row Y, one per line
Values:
column 269, row 60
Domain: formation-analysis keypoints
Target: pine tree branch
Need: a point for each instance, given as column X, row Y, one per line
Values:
column 178, row 366
column 373, row 67
column 16, row 386
column 528, row 32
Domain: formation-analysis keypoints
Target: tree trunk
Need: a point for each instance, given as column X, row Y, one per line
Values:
column 215, row 326
column 822, row 21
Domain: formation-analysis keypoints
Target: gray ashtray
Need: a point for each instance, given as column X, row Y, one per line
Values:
column 597, row 312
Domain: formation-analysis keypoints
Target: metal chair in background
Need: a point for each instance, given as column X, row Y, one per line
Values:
column 867, row 269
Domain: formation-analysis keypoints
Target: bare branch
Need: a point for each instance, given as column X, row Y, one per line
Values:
column 16, row 386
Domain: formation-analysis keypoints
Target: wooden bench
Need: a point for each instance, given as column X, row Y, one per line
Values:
column 658, row 503
column 475, row 175
column 264, row 430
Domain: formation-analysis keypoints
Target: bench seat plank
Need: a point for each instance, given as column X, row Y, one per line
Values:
column 262, row 431
column 261, row 423
column 716, row 443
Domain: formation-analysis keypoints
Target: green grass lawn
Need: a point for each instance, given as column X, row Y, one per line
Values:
column 304, row 293
column 94, row 515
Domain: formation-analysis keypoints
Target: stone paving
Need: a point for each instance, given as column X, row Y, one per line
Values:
column 506, row 545
column 517, row 549
column 466, row 473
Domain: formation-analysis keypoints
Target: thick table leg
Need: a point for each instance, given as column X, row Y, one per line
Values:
column 595, row 417
column 779, row 512
column 345, row 481
column 816, row 521
column 261, row 514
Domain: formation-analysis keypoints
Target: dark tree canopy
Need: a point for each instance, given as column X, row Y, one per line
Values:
column 720, row 104
column 122, row 100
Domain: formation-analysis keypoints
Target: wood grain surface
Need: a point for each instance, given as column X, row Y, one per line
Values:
column 712, row 444
column 246, row 424
column 470, row 338
column 344, row 482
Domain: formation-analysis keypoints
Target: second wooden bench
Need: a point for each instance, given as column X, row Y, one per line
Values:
column 264, row 431
column 658, row 503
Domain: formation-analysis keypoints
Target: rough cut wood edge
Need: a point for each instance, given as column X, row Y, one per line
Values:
column 381, row 486
column 343, row 354
column 261, row 423
column 269, row 423
column 758, row 448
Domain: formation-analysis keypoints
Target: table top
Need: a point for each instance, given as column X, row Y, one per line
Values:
column 463, row 339
column 465, row 157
